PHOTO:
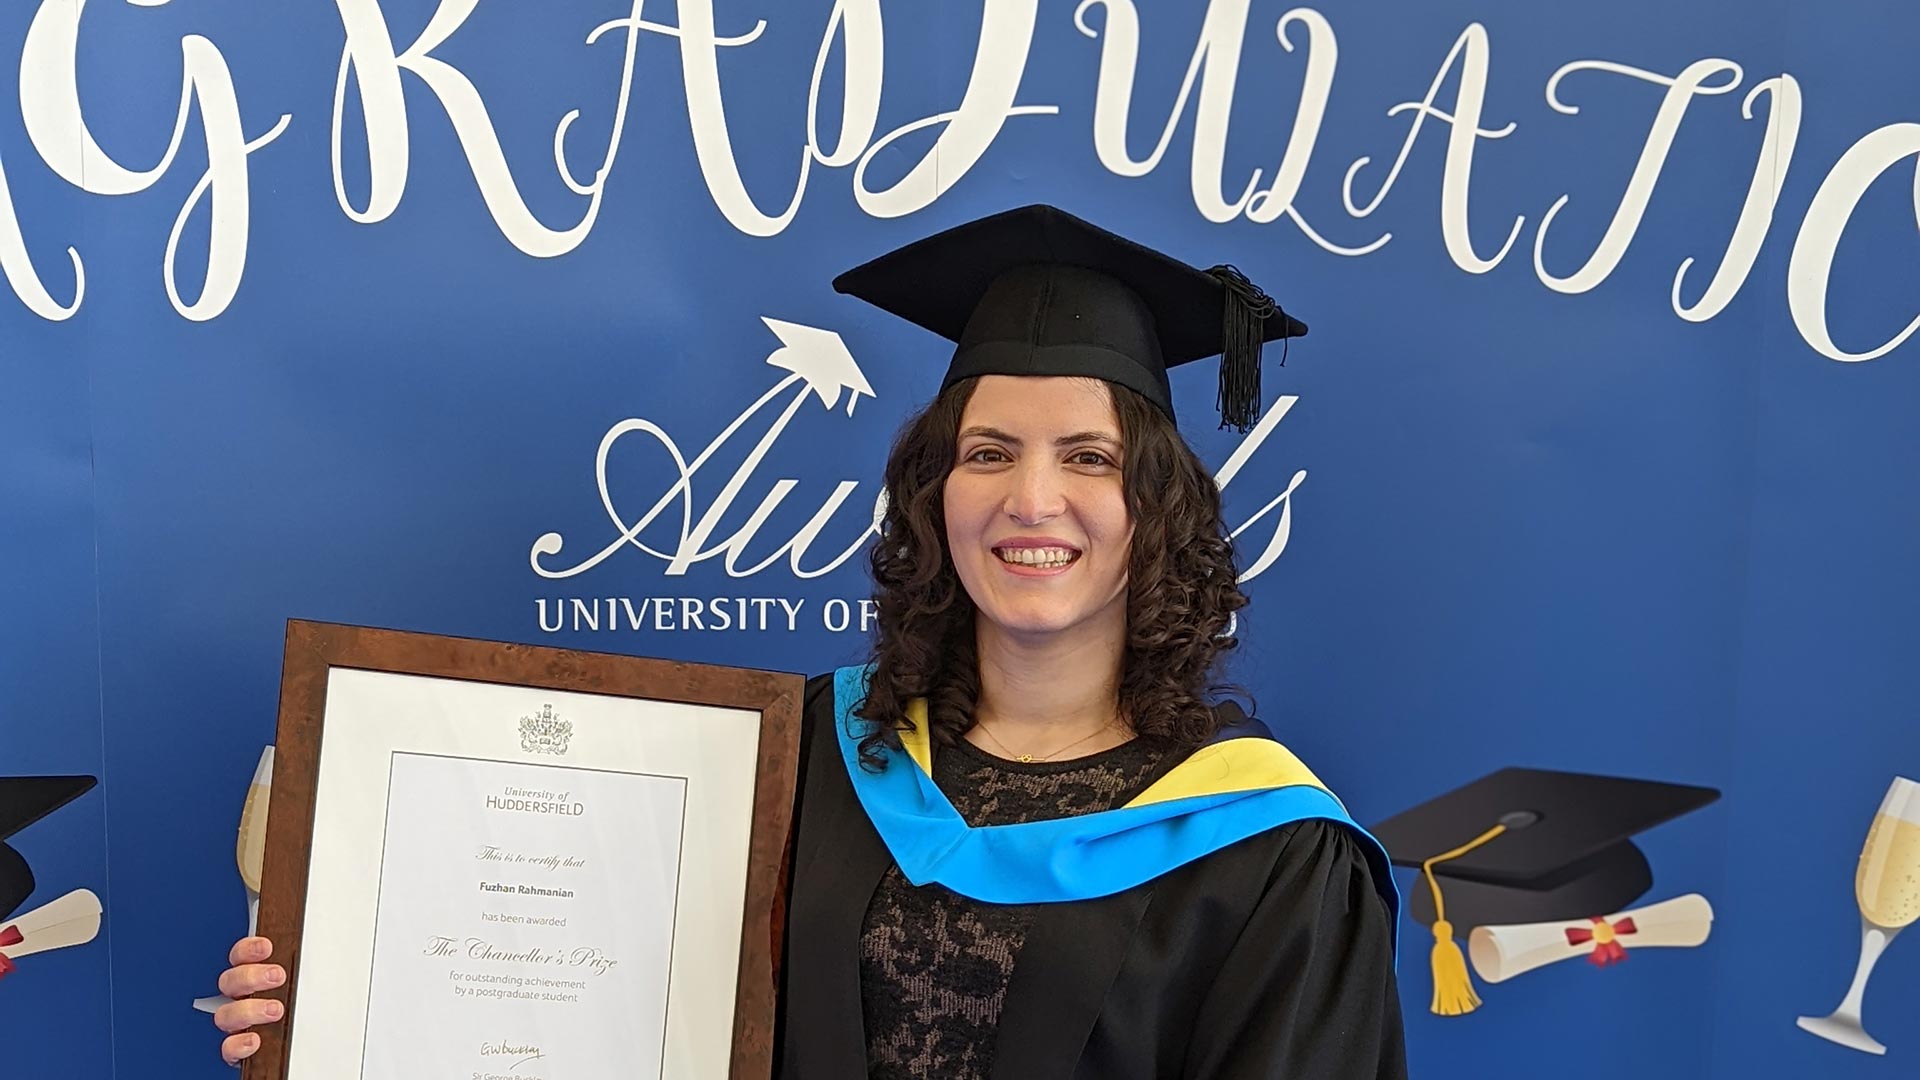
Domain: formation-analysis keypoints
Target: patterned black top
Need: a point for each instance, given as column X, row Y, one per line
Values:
column 934, row 965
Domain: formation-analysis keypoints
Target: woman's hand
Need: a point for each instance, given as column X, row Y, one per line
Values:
column 249, row 974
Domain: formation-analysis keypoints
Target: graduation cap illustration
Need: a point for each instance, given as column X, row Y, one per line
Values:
column 24, row 800
column 1528, row 846
column 72, row 919
column 1037, row 291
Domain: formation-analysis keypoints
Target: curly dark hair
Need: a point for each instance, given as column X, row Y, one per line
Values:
column 1182, row 586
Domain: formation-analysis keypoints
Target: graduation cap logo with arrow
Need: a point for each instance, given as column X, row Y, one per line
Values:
column 73, row 919
column 1541, row 866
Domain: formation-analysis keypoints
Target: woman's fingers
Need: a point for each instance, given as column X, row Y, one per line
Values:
column 250, row 950
column 238, row 1048
column 249, row 974
column 238, row 1016
column 238, row 982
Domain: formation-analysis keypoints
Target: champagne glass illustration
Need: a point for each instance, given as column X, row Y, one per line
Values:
column 250, row 846
column 1887, row 888
column 249, row 851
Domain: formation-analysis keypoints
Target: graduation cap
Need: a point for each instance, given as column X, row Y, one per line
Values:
column 1037, row 291
column 23, row 801
column 1527, row 845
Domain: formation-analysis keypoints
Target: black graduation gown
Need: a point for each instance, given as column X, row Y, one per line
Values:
column 1270, row 958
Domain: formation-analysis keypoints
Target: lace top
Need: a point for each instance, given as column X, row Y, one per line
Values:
column 934, row 965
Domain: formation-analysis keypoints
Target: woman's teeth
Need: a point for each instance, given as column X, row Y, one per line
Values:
column 1044, row 558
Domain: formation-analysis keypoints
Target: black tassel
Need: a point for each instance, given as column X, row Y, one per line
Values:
column 1242, row 333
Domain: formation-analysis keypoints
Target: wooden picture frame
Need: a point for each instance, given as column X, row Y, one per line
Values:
column 316, row 656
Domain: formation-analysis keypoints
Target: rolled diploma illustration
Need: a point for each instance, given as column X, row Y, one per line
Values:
column 1501, row 952
column 73, row 919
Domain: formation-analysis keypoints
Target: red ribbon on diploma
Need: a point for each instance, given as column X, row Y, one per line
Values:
column 10, row 936
column 1605, row 949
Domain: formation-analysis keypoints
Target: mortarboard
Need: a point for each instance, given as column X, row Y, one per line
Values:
column 23, row 801
column 1037, row 291
column 1529, row 845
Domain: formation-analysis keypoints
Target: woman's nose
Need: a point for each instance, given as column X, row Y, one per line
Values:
column 1037, row 494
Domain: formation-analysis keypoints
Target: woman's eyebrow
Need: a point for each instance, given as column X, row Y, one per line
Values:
column 1074, row 439
column 990, row 433
column 1086, row 437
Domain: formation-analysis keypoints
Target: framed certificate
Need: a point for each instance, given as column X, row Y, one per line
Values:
column 505, row 862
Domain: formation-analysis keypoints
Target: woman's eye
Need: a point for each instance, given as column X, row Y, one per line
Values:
column 1090, row 457
column 987, row 455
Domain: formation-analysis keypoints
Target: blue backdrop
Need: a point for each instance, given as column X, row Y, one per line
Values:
column 346, row 342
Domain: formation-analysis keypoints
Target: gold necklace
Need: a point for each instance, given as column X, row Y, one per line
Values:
column 1028, row 759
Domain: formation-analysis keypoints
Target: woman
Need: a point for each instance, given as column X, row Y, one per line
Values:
column 1026, row 846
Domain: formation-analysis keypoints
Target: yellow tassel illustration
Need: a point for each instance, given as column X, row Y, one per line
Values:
column 1452, row 987
column 1453, row 993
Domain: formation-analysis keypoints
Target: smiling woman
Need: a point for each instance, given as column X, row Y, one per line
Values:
column 1016, row 814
